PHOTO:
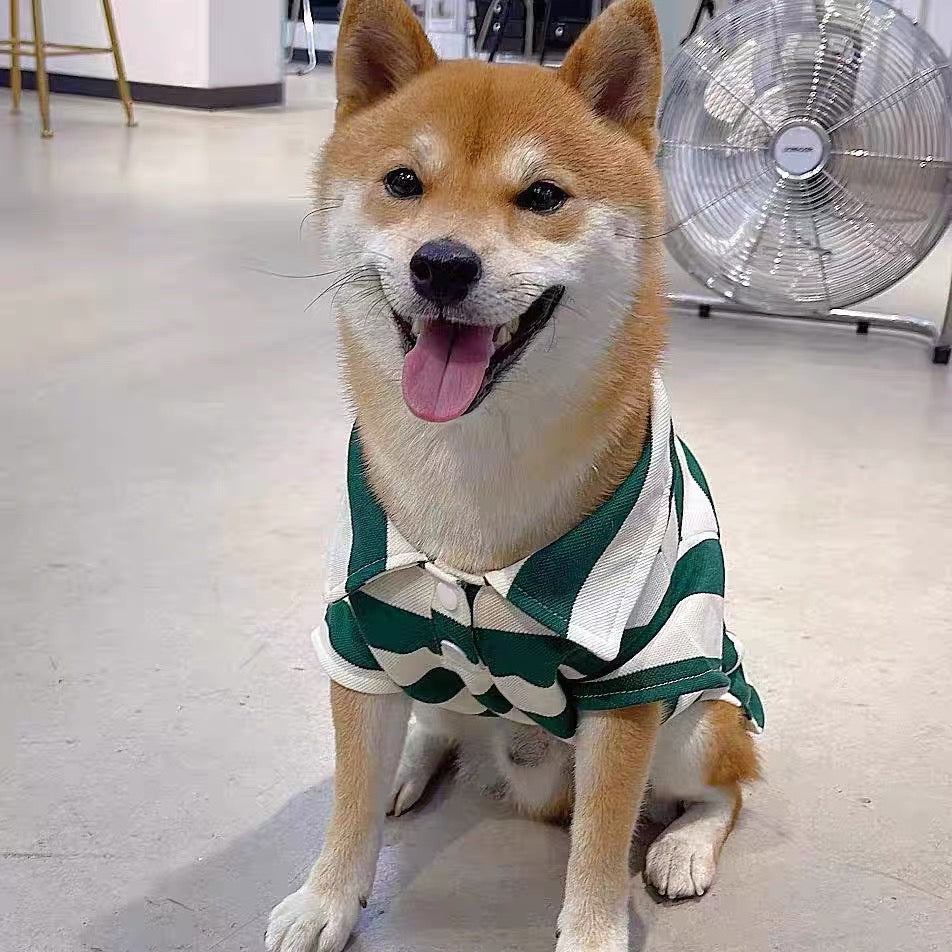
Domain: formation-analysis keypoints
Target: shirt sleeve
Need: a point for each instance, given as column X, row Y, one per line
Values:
column 344, row 653
column 666, row 682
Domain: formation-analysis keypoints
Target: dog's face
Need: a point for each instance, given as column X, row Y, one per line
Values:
column 490, row 220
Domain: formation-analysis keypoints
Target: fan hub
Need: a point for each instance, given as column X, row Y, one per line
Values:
column 801, row 149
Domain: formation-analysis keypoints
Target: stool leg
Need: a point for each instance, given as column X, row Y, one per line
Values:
column 529, row 38
column 16, row 83
column 121, row 82
column 311, row 40
column 544, row 39
column 295, row 13
column 42, row 83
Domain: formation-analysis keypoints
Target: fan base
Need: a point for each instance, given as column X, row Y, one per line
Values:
column 940, row 338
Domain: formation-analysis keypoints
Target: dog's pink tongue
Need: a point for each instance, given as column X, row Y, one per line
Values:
column 445, row 369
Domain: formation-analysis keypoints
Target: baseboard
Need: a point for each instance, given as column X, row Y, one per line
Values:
column 189, row 97
column 324, row 57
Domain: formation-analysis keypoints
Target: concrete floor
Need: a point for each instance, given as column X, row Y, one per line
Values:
column 172, row 440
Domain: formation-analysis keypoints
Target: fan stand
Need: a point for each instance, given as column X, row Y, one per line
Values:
column 940, row 337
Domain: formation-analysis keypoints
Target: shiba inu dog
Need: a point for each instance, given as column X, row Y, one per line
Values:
column 528, row 551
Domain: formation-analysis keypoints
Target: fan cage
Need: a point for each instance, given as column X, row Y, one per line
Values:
column 806, row 147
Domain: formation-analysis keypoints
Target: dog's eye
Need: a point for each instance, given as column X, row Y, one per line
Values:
column 403, row 183
column 543, row 198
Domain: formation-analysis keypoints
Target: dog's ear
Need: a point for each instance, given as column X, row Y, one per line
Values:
column 380, row 47
column 616, row 65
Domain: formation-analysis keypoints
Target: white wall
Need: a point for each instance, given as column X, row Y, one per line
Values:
column 934, row 15
column 675, row 16
column 210, row 43
column 170, row 42
column 162, row 42
column 245, row 42
column 674, row 19
column 939, row 22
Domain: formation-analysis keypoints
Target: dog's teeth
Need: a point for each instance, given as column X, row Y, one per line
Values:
column 417, row 326
column 513, row 326
column 503, row 336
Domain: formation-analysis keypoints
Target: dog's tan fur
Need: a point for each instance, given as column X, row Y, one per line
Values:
column 613, row 757
column 478, row 135
column 732, row 760
column 479, row 116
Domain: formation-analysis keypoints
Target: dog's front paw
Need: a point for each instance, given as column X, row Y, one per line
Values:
column 681, row 865
column 312, row 921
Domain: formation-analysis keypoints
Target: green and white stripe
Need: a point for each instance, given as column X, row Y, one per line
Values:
column 624, row 609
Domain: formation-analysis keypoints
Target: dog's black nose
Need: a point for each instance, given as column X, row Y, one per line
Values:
column 443, row 271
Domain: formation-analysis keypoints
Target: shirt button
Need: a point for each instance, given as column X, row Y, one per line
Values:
column 448, row 596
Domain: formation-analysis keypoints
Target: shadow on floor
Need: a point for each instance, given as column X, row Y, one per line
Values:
column 220, row 902
column 461, row 866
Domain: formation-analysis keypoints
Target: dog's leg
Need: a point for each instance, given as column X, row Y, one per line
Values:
column 537, row 770
column 432, row 738
column 612, row 760
column 319, row 917
column 703, row 758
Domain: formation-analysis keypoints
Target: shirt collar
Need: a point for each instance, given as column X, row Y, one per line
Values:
column 583, row 586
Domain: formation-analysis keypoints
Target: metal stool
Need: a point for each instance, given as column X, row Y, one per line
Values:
column 308, row 32
column 38, row 48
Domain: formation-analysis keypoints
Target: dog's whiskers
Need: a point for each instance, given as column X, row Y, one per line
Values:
column 661, row 234
column 295, row 277
column 324, row 205
column 351, row 276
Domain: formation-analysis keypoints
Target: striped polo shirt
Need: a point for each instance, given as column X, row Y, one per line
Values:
column 626, row 608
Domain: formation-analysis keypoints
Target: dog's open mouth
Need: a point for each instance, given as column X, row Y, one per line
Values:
column 450, row 367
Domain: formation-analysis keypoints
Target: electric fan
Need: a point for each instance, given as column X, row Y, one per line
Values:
column 806, row 146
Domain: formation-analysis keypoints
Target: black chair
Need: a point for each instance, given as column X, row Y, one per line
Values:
column 562, row 23
column 511, row 25
column 509, row 22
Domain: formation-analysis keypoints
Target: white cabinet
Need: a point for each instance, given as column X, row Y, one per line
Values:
column 445, row 22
